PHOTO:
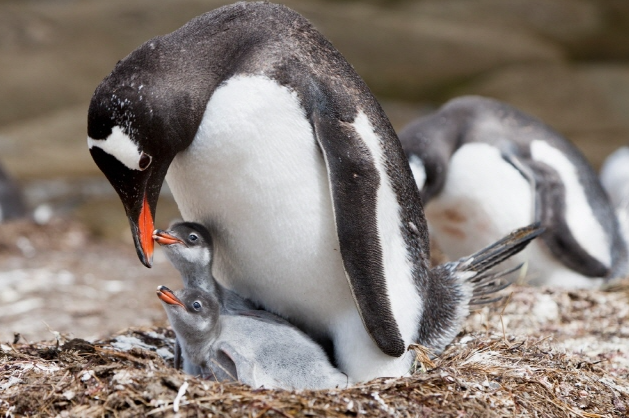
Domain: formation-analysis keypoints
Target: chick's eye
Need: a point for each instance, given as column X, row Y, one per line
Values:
column 145, row 161
column 193, row 237
column 196, row 305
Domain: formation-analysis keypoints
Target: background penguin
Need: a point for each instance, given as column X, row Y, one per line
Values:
column 257, row 351
column 11, row 201
column 485, row 168
column 269, row 138
column 615, row 177
column 615, row 180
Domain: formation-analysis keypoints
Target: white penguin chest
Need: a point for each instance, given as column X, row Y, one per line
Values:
column 483, row 199
column 255, row 176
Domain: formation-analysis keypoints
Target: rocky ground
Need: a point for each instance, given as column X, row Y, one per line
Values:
column 58, row 279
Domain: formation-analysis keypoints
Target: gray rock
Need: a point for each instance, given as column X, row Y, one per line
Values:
column 555, row 19
column 407, row 55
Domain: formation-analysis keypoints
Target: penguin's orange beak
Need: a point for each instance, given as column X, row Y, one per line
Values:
column 138, row 191
column 164, row 238
column 167, row 296
column 145, row 232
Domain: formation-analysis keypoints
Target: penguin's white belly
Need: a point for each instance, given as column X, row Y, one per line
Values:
column 255, row 175
column 615, row 177
column 483, row 199
column 615, row 181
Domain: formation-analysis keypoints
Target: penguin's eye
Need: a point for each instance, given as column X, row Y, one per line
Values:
column 193, row 237
column 196, row 305
column 145, row 161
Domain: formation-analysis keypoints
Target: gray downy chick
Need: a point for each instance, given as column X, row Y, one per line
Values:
column 189, row 247
column 254, row 350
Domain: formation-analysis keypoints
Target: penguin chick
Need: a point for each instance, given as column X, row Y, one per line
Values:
column 254, row 350
column 189, row 248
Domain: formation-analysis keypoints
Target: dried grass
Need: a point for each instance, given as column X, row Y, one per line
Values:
column 542, row 353
column 480, row 375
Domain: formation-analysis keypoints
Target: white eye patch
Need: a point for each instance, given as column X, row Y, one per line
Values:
column 119, row 145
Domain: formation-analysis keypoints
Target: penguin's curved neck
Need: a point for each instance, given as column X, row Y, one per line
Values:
column 198, row 345
column 198, row 275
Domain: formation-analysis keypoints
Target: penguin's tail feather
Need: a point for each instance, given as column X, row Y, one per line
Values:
column 457, row 285
column 476, row 271
column 485, row 291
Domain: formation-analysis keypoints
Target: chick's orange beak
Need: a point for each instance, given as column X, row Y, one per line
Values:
column 164, row 238
column 167, row 296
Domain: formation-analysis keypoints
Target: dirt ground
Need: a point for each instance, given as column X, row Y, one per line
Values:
column 57, row 277
column 71, row 298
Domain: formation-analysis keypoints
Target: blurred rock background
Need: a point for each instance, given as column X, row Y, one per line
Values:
column 565, row 61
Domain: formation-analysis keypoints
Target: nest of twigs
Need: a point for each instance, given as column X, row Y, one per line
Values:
column 485, row 372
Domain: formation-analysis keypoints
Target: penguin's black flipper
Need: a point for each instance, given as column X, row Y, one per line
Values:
column 551, row 194
column 354, row 181
column 550, row 211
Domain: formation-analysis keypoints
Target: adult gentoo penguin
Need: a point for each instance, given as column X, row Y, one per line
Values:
column 269, row 138
column 484, row 168
column 260, row 351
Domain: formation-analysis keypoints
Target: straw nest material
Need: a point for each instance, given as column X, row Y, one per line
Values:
column 544, row 353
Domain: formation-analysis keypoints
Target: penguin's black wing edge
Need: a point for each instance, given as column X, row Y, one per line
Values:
column 551, row 211
column 354, row 181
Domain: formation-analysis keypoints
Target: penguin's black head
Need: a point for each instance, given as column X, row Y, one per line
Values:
column 134, row 133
